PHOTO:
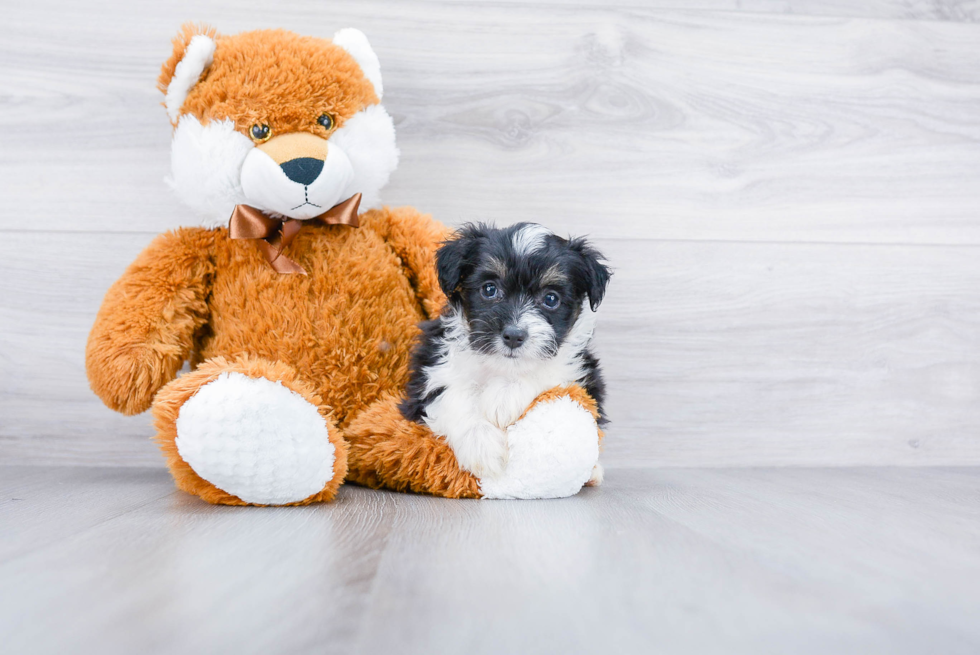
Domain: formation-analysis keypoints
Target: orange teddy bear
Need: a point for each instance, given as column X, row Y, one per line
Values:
column 297, row 313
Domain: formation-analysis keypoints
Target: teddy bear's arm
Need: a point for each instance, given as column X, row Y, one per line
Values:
column 414, row 237
column 145, row 328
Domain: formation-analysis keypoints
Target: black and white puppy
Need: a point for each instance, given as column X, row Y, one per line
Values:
column 518, row 321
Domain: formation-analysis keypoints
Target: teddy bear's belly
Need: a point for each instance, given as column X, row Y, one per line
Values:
column 348, row 334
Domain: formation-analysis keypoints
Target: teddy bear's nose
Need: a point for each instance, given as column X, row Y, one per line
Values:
column 302, row 170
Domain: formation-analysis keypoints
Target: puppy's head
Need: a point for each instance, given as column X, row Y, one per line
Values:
column 520, row 290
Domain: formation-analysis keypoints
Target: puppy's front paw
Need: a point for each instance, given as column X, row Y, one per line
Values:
column 482, row 450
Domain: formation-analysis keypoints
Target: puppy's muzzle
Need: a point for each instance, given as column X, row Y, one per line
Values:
column 514, row 337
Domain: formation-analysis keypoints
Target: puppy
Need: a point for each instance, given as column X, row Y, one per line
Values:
column 518, row 321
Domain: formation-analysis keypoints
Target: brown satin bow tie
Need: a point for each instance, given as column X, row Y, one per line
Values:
column 274, row 234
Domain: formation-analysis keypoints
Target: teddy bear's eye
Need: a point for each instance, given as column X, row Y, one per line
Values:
column 261, row 132
column 326, row 120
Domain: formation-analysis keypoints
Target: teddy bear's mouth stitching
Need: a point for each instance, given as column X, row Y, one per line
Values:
column 306, row 200
column 311, row 204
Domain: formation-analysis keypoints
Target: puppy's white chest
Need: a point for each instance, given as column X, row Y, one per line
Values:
column 503, row 400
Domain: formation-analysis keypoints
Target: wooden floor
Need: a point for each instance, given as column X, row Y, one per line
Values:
column 754, row 560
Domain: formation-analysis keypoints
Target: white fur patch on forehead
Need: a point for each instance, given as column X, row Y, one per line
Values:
column 529, row 239
column 198, row 56
column 356, row 44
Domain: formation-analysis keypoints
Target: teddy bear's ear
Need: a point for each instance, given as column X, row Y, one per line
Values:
column 193, row 53
column 356, row 44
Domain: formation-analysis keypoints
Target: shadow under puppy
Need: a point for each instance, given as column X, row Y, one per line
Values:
column 518, row 321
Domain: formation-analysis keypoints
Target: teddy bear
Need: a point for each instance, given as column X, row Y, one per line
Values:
column 294, row 295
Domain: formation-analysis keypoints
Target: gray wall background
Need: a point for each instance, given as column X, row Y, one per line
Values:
column 789, row 192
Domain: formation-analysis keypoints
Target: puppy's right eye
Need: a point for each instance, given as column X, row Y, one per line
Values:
column 489, row 290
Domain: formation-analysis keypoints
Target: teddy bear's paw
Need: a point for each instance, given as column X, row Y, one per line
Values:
column 553, row 451
column 255, row 439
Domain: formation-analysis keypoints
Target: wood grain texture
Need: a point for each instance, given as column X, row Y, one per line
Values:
column 740, row 162
column 669, row 561
column 717, row 354
column 744, row 354
column 640, row 122
column 942, row 10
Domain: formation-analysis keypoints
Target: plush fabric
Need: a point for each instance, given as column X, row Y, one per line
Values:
column 389, row 451
column 285, row 368
column 274, row 77
column 170, row 400
column 554, row 448
column 386, row 450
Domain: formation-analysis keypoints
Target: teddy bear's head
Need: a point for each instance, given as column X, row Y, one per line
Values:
column 288, row 124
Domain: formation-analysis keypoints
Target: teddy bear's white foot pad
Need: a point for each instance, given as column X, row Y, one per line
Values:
column 256, row 439
column 553, row 450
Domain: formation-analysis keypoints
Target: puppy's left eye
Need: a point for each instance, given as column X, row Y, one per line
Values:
column 489, row 290
column 551, row 300
column 326, row 120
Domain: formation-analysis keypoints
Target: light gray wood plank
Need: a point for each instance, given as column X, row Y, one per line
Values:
column 633, row 122
column 945, row 10
column 670, row 561
column 734, row 127
column 761, row 354
column 48, row 414
column 716, row 354
column 783, row 572
column 176, row 574
column 41, row 506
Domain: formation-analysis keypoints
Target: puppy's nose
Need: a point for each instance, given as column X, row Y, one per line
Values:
column 514, row 337
column 302, row 170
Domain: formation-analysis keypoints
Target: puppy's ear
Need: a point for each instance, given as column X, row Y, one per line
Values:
column 455, row 258
column 593, row 273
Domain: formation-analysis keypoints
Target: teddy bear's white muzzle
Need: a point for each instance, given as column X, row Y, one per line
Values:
column 300, row 187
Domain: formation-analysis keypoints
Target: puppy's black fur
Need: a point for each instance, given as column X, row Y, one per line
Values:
column 427, row 350
column 480, row 255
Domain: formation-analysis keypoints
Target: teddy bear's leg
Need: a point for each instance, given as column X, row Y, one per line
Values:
column 249, row 432
column 389, row 451
column 554, row 451
column 554, row 448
